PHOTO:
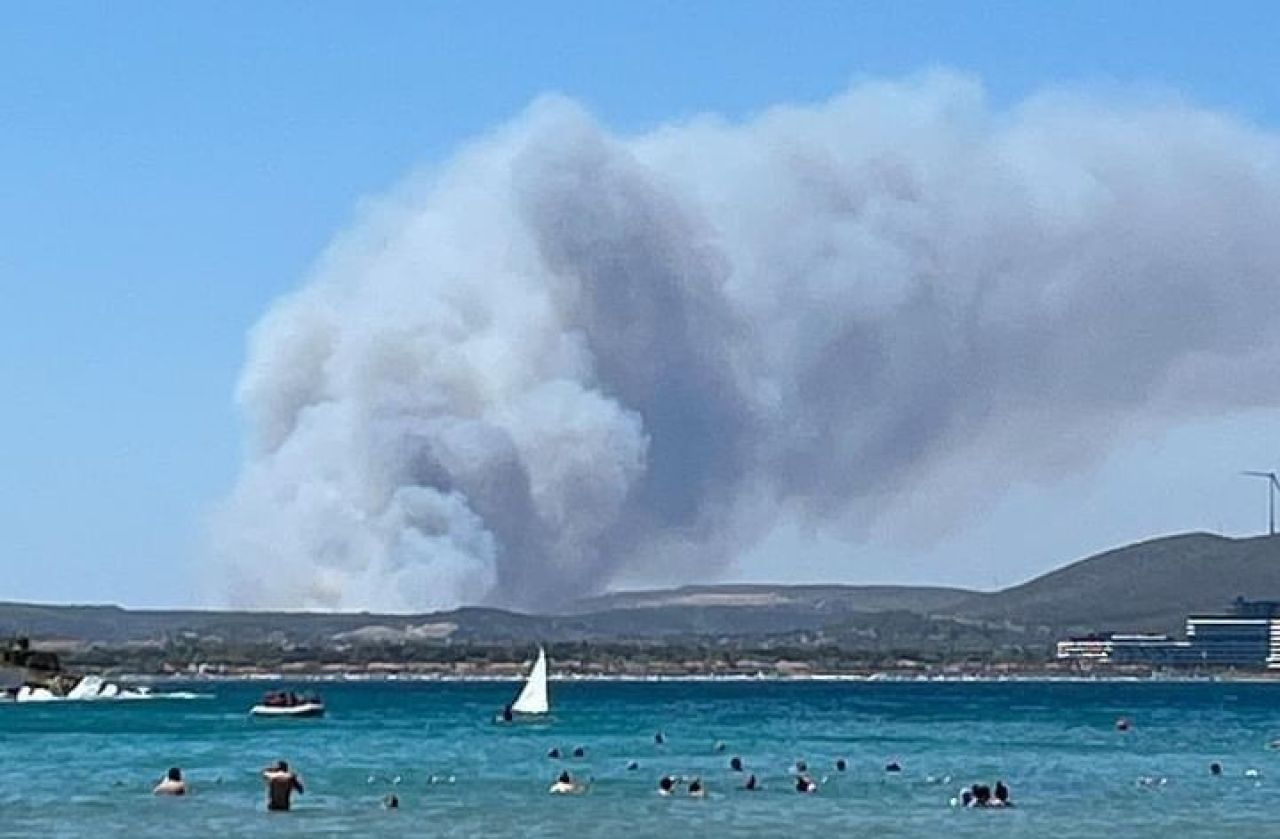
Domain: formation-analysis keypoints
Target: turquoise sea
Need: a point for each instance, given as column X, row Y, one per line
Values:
column 78, row 769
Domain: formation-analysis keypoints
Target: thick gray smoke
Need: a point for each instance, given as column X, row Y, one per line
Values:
column 568, row 354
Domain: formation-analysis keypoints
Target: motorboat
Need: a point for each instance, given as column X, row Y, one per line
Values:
column 282, row 703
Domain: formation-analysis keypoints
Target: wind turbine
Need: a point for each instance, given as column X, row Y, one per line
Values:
column 1273, row 483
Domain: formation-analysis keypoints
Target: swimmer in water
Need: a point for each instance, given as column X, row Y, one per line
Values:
column 981, row 796
column 667, row 786
column 752, row 784
column 391, row 802
column 554, row 753
column 735, row 763
column 659, row 738
column 1001, row 796
column 801, row 767
column 893, row 766
column 1122, row 724
column 565, row 785
column 282, row 783
column 632, row 766
column 696, row 790
column 579, row 752
column 841, row 765
column 805, row 784
column 507, row 713
column 1215, row 768
column 172, row 784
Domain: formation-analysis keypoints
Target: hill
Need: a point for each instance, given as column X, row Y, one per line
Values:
column 1151, row 585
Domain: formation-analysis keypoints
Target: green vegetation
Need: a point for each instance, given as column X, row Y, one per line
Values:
column 1147, row 586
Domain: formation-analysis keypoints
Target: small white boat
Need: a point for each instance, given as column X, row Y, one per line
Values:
column 532, row 700
column 286, row 705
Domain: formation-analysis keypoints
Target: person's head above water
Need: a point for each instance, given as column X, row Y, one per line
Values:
column 282, row 766
column 1002, row 792
column 553, row 753
column 1215, row 768
column 174, row 774
column 579, row 752
column 564, row 778
column 751, row 782
column 735, row 763
column 841, row 765
column 667, row 783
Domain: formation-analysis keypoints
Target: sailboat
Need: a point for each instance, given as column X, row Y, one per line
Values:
column 532, row 699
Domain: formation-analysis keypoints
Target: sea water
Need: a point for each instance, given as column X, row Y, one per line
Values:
column 78, row 769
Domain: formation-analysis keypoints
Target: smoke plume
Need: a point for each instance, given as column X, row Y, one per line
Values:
column 568, row 354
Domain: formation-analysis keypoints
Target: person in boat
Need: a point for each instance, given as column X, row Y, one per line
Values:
column 696, row 789
column 667, row 786
column 282, row 783
column 752, row 784
column 565, row 785
column 805, row 784
column 172, row 784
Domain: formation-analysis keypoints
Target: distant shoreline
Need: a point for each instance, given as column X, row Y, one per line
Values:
column 875, row 678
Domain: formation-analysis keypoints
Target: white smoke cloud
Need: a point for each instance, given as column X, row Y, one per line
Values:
column 568, row 353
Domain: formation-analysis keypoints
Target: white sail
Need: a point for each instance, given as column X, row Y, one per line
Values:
column 533, row 697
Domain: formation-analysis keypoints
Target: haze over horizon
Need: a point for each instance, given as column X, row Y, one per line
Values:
column 936, row 326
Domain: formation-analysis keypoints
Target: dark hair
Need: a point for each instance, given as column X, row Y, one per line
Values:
column 735, row 763
column 579, row 751
column 565, row 779
column 667, row 782
column 695, row 785
column 282, row 766
column 1215, row 768
column 841, row 765
column 175, row 774
column 1002, row 792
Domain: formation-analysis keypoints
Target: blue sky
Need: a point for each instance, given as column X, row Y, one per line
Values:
column 167, row 170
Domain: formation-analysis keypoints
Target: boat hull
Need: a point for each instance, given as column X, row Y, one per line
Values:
column 306, row 709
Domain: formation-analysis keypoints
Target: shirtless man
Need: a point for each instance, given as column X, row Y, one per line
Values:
column 172, row 784
column 281, row 784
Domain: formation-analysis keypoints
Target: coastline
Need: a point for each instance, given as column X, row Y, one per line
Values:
column 571, row 678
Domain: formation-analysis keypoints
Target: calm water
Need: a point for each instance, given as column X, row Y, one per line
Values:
column 66, row 770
